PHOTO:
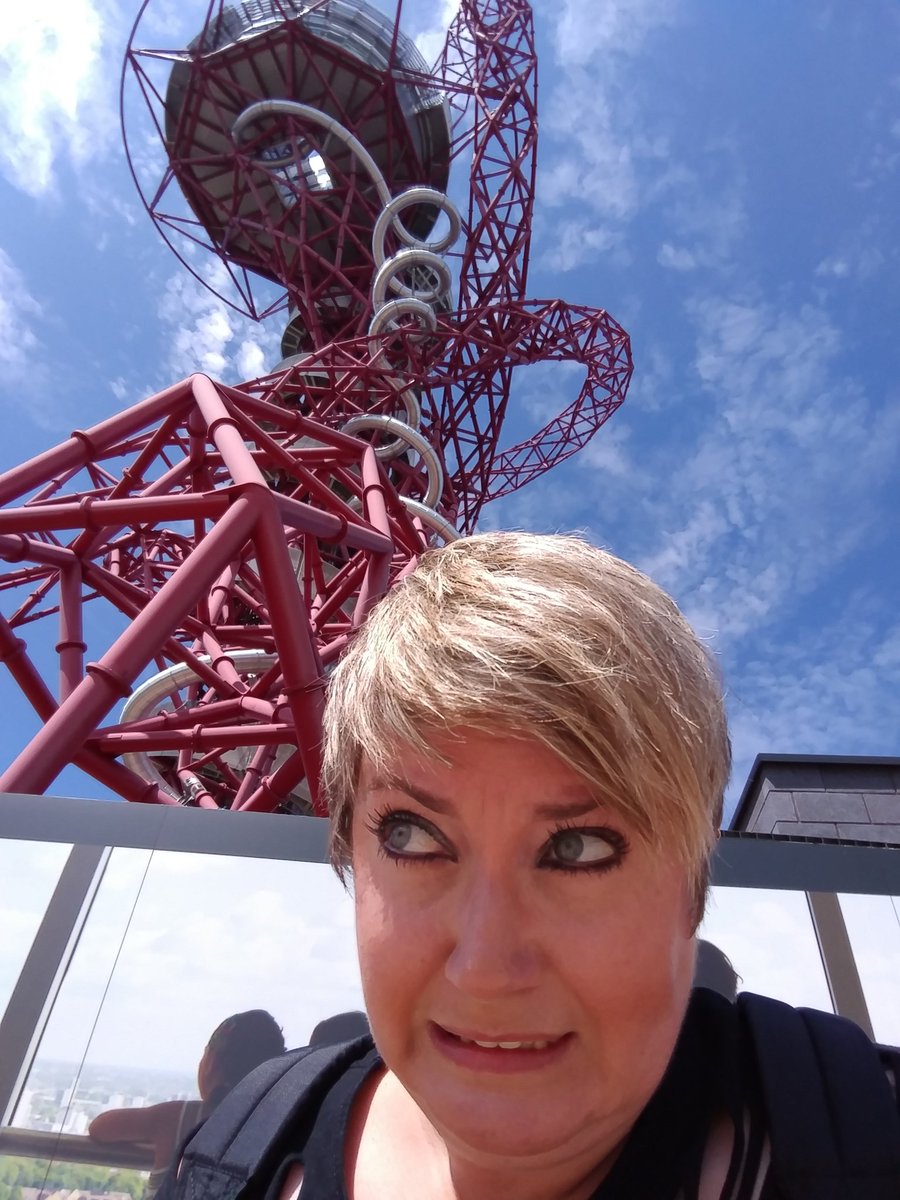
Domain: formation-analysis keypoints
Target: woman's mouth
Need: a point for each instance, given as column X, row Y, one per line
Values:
column 500, row 1053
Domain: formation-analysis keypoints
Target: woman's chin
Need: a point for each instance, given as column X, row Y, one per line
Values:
column 488, row 1129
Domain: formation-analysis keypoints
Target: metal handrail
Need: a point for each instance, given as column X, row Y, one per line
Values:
column 71, row 1147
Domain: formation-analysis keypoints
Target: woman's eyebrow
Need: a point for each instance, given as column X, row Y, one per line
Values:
column 393, row 783
column 567, row 811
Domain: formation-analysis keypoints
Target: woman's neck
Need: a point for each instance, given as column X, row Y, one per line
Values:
column 393, row 1150
column 567, row 1179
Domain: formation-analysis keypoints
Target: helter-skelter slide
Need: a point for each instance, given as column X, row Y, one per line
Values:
column 241, row 534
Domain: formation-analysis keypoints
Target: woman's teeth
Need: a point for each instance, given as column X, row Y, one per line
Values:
column 506, row 1045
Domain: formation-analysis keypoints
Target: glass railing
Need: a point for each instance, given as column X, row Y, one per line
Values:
column 72, row 1148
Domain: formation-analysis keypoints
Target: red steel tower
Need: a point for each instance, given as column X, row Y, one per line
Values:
column 219, row 545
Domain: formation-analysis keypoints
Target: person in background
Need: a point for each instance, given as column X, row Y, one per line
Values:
column 342, row 1027
column 239, row 1044
column 714, row 970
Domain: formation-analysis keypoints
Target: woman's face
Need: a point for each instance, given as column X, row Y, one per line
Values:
column 498, row 903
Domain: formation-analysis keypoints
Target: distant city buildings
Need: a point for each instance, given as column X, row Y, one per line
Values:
column 61, row 1099
column 33, row 1193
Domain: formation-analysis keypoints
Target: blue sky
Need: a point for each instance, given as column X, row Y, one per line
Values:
column 722, row 178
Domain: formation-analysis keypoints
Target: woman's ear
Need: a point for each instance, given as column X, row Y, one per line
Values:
column 208, row 1073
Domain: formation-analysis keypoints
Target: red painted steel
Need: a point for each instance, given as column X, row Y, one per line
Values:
column 208, row 553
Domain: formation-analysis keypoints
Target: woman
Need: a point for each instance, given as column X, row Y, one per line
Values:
column 526, row 753
column 525, row 758
column 239, row 1044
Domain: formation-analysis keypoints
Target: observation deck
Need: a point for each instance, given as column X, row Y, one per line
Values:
column 256, row 116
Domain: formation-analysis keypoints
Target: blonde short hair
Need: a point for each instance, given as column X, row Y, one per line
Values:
column 545, row 637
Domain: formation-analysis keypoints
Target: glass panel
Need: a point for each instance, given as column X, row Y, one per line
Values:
column 29, row 872
column 873, row 925
column 175, row 944
column 47, row 1100
column 769, row 937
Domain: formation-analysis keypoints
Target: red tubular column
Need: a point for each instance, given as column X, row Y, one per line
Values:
column 71, row 646
column 112, row 774
column 376, row 580
column 293, row 639
column 110, row 679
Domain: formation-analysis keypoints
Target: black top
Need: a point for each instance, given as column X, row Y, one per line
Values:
column 709, row 1073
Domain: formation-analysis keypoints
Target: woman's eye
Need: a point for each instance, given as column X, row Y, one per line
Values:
column 407, row 838
column 581, row 848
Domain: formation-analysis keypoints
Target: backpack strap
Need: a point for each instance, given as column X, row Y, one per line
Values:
column 832, row 1117
column 244, row 1133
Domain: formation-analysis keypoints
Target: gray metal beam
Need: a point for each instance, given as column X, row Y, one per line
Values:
column 740, row 860
column 163, row 827
column 805, row 865
column 841, row 974
column 71, row 1147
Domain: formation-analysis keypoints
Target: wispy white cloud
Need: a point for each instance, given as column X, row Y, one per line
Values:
column 599, row 162
column 655, row 383
column 610, row 453
column 20, row 316
column 119, row 388
column 750, row 530
column 770, row 475
column 683, row 549
column 57, row 88
column 544, row 506
column 707, row 217
column 168, row 23
column 586, row 29
column 606, row 158
column 887, row 654
column 856, row 261
column 611, row 152
column 203, row 334
column 568, row 243
column 772, row 480
column 28, row 366
column 880, row 154
column 820, row 692
column 429, row 29
column 677, row 258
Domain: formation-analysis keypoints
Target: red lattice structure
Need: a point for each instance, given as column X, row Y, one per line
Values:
column 237, row 536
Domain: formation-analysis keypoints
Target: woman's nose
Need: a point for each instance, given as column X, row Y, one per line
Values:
column 494, row 948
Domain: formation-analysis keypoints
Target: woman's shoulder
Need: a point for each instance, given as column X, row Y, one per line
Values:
column 817, row 1088
column 787, row 1053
